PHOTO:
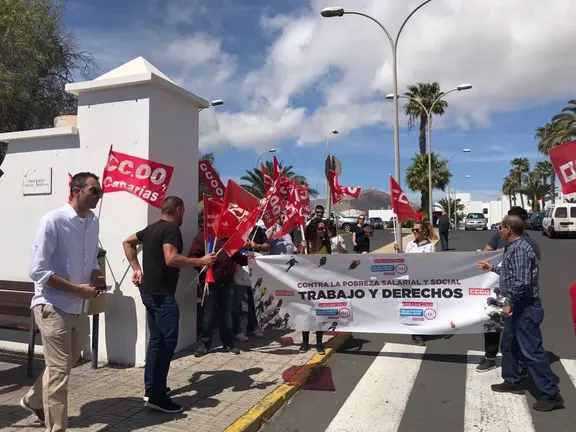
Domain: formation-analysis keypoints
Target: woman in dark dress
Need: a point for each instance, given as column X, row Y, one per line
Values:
column 361, row 235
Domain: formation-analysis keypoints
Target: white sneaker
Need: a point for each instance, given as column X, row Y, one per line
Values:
column 258, row 334
column 242, row 337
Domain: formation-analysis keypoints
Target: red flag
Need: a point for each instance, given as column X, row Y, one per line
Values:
column 294, row 215
column 211, row 179
column 273, row 206
column 238, row 204
column 400, row 203
column 69, row 183
column 143, row 178
column 563, row 158
column 212, row 209
column 338, row 191
column 266, row 178
column 238, row 239
column 277, row 169
column 304, row 197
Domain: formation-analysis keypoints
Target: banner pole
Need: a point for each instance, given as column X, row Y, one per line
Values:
column 394, row 223
column 304, row 239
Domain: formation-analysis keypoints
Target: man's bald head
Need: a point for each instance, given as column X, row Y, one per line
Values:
column 515, row 223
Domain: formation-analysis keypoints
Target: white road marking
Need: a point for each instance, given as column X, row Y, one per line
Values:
column 378, row 401
column 570, row 367
column 486, row 410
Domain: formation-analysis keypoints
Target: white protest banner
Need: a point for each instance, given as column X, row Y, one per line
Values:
column 437, row 293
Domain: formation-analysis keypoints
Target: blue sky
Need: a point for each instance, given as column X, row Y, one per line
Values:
column 288, row 77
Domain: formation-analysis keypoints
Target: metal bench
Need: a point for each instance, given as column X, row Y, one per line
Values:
column 15, row 313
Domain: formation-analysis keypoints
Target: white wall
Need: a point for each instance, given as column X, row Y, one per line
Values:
column 144, row 120
column 493, row 210
column 386, row 215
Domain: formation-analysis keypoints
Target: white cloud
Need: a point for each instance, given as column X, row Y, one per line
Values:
column 513, row 52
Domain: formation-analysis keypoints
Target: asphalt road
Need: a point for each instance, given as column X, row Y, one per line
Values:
column 385, row 383
column 381, row 237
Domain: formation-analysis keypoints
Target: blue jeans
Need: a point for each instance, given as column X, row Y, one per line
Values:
column 163, row 317
column 521, row 334
column 444, row 236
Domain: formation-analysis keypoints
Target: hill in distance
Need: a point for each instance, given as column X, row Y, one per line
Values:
column 369, row 199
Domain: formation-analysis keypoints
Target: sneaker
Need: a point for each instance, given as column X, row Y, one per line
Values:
column 201, row 351
column 486, row 365
column 164, row 404
column 304, row 348
column 507, row 387
column 147, row 394
column 241, row 337
column 38, row 413
column 232, row 350
column 258, row 334
column 320, row 349
column 549, row 403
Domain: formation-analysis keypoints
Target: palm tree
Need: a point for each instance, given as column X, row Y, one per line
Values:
column 455, row 207
column 520, row 167
column 255, row 184
column 545, row 170
column 508, row 189
column 426, row 93
column 564, row 123
column 536, row 189
column 417, row 175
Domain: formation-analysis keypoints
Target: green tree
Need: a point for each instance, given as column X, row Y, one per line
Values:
column 509, row 189
column 520, row 167
column 455, row 207
column 417, row 175
column 38, row 57
column 426, row 93
column 545, row 170
column 535, row 189
column 254, row 182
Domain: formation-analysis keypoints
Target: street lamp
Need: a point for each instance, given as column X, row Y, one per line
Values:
column 429, row 113
column 328, row 197
column 272, row 150
column 467, row 176
column 466, row 150
column 215, row 102
column 337, row 11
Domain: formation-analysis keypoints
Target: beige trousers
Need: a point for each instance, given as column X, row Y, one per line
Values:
column 62, row 340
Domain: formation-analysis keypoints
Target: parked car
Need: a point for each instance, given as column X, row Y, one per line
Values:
column 346, row 223
column 376, row 222
column 475, row 221
column 559, row 219
column 534, row 221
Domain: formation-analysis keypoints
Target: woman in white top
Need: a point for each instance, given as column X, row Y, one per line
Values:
column 423, row 242
column 338, row 245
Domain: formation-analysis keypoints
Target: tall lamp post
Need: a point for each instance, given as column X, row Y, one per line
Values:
column 467, row 176
column 429, row 113
column 328, row 194
column 215, row 102
column 339, row 12
column 273, row 150
column 466, row 150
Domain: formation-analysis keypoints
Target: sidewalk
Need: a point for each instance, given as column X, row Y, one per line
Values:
column 215, row 390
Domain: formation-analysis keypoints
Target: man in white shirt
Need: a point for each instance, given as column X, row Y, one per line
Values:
column 64, row 268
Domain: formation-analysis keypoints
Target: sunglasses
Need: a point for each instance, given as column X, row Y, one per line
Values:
column 95, row 191
column 319, row 212
column 361, row 219
column 415, row 230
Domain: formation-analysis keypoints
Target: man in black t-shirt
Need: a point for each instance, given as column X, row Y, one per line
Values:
column 162, row 260
column 492, row 339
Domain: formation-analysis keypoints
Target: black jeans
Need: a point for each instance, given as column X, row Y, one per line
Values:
column 522, row 334
column 491, row 344
column 444, row 239
column 252, row 325
column 163, row 316
column 306, row 337
column 218, row 305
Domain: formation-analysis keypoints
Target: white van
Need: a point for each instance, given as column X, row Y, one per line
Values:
column 559, row 219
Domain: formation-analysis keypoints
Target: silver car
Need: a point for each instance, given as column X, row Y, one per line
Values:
column 475, row 221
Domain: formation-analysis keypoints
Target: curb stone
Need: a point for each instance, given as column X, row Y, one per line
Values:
column 265, row 409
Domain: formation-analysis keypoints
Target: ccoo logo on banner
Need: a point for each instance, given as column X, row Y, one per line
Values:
column 409, row 293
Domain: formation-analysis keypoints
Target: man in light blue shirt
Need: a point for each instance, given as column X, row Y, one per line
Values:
column 65, row 271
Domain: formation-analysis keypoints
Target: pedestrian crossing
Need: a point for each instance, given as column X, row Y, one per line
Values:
column 380, row 399
column 400, row 387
